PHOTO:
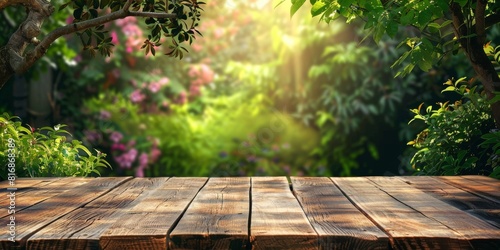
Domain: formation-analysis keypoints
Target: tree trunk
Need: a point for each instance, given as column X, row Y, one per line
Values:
column 6, row 71
column 471, row 40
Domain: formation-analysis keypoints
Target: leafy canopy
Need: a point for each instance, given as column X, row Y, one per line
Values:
column 431, row 17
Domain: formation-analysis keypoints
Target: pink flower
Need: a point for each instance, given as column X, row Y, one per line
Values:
column 114, row 37
column 131, row 144
column 137, row 96
column 125, row 21
column 194, row 90
column 116, row 137
column 182, row 99
column 139, row 172
column 164, row 81
column 206, row 74
column 125, row 160
column 104, row 115
column 143, row 160
column 118, row 147
column 154, row 87
column 155, row 154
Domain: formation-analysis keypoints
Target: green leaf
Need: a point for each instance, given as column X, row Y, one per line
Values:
column 408, row 18
column 424, row 17
column 318, row 8
column 392, row 29
column 449, row 88
column 296, row 6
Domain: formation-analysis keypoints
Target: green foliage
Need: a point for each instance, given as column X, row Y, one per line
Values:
column 224, row 140
column 178, row 30
column 46, row 151
column 430, row 17
column 456, row 139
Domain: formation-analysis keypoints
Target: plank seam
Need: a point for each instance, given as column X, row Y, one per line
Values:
column 473, row 192
column 25, row 240
column 249, row 223
column 392, row 243
column 304, row 211
column 176, row 222
column 24, row 191
column 421, row 213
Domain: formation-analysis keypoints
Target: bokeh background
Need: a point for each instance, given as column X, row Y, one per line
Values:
column 261, row 93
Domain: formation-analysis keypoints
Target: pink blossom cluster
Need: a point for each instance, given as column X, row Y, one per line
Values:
column 200, row 74
column 155, row 86
column 132, row 32
column 125, row 155
column 138, row 95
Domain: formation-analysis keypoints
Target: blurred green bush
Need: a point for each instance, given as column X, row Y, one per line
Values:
column 44, row 152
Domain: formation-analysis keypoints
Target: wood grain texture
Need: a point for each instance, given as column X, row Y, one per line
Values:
column 277, row 219
column 29, row 196
column 482, row 208
column 24, row 183
column 147, row 224
column 407, row 227
column 461, row 212
column 82, row 228
column 32, row 219
column 217, row 218
column 340, row 225
column 489, row 190
column 479, row 234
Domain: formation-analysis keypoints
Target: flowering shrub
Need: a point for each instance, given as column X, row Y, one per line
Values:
column 182, row 143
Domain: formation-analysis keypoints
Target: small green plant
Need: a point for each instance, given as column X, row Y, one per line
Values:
column 457, row 138
column 44, row 152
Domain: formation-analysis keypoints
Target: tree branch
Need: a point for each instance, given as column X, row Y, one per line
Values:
column 42, row 47
column 480, row 26
column 6, row 3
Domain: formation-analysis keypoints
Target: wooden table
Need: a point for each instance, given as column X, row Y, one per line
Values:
column 253, row 213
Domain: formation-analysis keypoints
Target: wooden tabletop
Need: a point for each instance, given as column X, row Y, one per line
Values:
column 251, row 213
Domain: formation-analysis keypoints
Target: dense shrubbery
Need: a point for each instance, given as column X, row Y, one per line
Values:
column 458, row 138
column 45, row 151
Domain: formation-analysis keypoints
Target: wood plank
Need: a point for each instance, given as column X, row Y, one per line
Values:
column 340, row 225
column 82, row 228
column 277, row 219
column 25, row 183
column 482, row 179
column 32, row 219
column 146, row 225
column 482, row 208
column 487, row 191
column 217, row 218
column 407, row 228
column 479, row 233
column 29, row 196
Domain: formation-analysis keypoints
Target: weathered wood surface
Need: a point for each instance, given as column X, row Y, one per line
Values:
column 340, row 225
column 147, row 224
column 217, row 218
column 121, row 213
column 277, row 219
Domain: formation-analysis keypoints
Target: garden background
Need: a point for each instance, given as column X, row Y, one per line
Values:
column 260, row 93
